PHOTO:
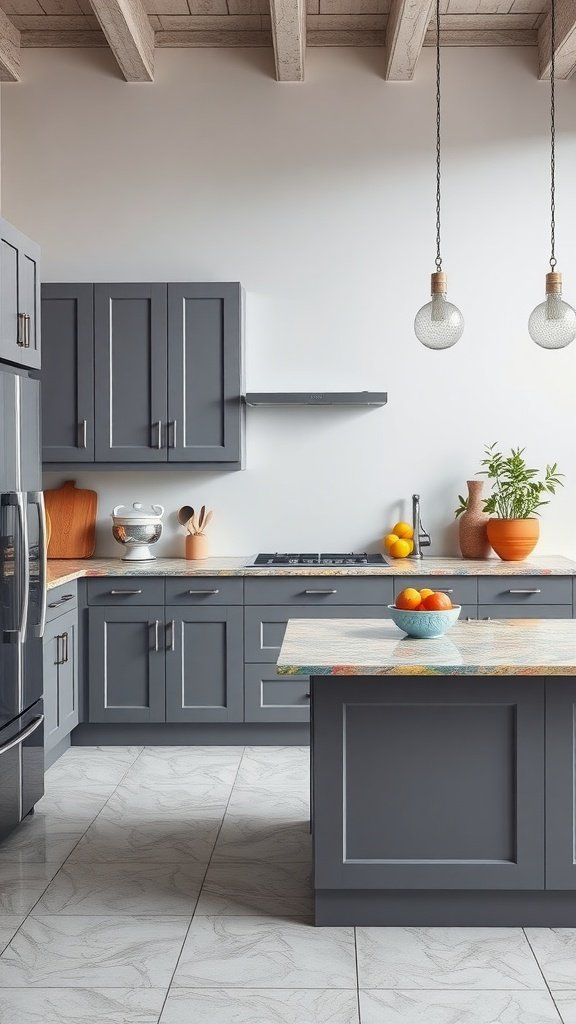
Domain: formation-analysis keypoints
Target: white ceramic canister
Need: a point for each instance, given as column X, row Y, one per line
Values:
column 137, row 526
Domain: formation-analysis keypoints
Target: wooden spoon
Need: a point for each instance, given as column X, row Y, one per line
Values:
column 207, row 519
column 201, row 517
column 184, row 514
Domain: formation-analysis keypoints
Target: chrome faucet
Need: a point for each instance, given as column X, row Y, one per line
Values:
column 421, row 537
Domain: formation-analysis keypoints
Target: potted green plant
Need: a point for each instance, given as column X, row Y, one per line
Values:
column 518, row 493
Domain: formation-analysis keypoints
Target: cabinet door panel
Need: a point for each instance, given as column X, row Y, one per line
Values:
column 204, row 372
column 9, row 326
column 29, row 301
column 126, row 664
column 51, row 655
column 19, row 297
column 204, row 664
column 60, row 657
column 68, row 373
column 131, row 372
column 269, row 697
column 68, row 676
column 560, row 783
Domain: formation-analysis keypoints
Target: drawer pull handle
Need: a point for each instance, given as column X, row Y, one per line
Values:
column 321, row 592
column 535, row 590
column 156, row 635
column 116, row 593
column 203, row 593
column 307, row 695
column 61, row 600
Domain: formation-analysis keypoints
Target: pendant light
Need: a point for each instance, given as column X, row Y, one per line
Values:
column 439, row 324
column 553, row 323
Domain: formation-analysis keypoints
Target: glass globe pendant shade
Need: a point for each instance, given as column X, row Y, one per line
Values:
column 553, row 323
column 439, row 324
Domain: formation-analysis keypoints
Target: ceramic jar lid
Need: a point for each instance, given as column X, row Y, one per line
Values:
column 137, row 513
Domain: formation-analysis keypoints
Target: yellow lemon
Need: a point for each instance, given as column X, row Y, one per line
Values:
column 400, row 549
column 403, row 530
column 411, row 543
column 389, row 540
column 426, row 592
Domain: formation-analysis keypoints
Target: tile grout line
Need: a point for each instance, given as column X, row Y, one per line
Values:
column 201, row 887
column 561, row 1018
column 355, row 930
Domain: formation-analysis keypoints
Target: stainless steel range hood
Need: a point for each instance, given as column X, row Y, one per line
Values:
column 342, row 398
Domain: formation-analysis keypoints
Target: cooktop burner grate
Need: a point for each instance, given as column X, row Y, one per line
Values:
column 291, row 559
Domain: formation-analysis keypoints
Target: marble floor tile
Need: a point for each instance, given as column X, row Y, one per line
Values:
column 31, row 843
column 63, row 810
column 121, row 889
column 9, row 925
column 21, row 885
column 238, row 952
column 258, row 1006
column 457, row 1008
column 209, row 753
column 80, row 1005
column 261, row 770
column 263, row 838
column 145, row 799
column 555, row 950
column 92, row 766
column 260, row 802
column 440, row 958
column 257, row 888
column 153, row 842
column 183, row 764
column 93, row 952
column 566, row 1003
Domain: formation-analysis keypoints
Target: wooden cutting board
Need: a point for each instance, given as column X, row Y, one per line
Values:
column 72, row 511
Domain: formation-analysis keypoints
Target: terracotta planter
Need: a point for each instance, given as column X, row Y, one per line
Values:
column 513, row 539
column 472, row 534
column 196, row 546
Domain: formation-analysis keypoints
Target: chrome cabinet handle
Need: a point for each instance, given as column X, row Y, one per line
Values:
column 61, row 600
column 447, row 590
column 157, row 635
column 118, row 593
column 158, row 427
column 26, row 330
column 58, row 659
column 535, row 590
column 321, row 592
column 203, row 593
column 171, row 631
column 22, row 735
column 65, row 645
column 83, row 434
column 21, row 331
column 173, row 431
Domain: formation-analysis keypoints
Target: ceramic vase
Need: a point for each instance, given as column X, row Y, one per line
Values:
column 513, row 539
column 473, row 535
column 196, row 546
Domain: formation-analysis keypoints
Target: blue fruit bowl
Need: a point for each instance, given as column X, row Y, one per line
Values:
column 424, row 625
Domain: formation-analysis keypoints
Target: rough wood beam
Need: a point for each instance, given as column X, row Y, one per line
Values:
column 289, row 38
column 9, row 50
column 130, row 36
column 565, row 41
column 407, row 24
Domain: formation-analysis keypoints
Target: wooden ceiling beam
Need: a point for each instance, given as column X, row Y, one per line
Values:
column 9, row 50
column 405, row 33
column 565, row 41
column 130, row 36
column 289, row 38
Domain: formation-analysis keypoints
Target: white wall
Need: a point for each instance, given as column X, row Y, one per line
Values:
column 320, row 199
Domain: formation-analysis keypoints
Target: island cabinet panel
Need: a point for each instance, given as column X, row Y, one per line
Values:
column 68, row 373
column 131, row 372
column 264, row 627
column 560, row 783
column 204, row 664
column 465, row 756
column 126, row 664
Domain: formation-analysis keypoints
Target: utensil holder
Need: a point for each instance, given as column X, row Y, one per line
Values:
column 196, row 546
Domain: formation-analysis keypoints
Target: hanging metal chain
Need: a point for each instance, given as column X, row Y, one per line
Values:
column 553, row 137
column 438, row 259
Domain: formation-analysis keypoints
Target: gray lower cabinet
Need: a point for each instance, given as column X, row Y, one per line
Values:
column 126, row 664
column 560, row 783
column 521, row 611
column 264, row 626
column 19, row 297
column 68, row 373
column 204, row 664
column 60, row 653
column 270, row 697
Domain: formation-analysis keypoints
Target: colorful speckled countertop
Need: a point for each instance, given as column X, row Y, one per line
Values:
column 376, row 647
column 65, row 570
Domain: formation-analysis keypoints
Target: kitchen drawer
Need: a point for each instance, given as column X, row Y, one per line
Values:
column 521, row 590
column 462, row 589
column 204, row 590
column 319, row 590
column 61, row 599
column 525, row 611
column 264, row 627
column 126, row 590
column 269, row 697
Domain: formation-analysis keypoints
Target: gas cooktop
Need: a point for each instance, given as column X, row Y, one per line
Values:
column 310, row 560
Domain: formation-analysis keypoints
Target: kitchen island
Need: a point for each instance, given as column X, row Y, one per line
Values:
column 443, row 771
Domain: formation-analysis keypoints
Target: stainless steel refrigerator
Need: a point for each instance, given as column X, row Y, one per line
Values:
column 22, row 597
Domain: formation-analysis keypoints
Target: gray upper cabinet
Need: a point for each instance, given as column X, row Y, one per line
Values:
column 68, row 373
column 19, row 297
column 126, row 664
column 204, row 664
column 130, row 372
column 204, row 372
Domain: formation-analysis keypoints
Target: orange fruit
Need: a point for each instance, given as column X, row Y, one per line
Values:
column 399, row 549
column 437, row 602
column 408, row 599
column 403, row 530
column 426, row 592
column 389, row 540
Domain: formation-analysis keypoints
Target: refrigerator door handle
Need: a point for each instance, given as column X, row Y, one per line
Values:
column 21, row 498
column 38, row 499
column 16, row 740
column 15, row 499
